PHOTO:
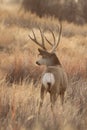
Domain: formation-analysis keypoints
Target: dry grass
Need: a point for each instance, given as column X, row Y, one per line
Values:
column 19, row 97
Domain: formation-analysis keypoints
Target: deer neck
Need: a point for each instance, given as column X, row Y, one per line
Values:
column 48, row 66
column 54, row 62
column 55, row 65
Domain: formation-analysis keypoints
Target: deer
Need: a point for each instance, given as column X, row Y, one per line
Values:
column 54, row 79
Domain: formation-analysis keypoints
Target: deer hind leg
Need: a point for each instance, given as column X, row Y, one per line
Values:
column 62, row 97
column 42, row 92
column 53, row 98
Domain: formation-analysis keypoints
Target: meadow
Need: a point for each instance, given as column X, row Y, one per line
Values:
column 19, row 75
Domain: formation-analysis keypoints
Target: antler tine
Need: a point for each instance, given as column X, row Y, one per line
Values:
column 53, row 38
column 57, row 43
column 42, row 39
column 35, row 40
column 60, row 31
column 48, row 41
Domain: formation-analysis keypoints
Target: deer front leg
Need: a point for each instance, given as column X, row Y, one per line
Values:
column 42, row 91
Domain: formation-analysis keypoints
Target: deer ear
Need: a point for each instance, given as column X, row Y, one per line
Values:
column 42, row 52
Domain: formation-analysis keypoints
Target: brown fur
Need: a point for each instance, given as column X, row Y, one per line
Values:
column 59, row 87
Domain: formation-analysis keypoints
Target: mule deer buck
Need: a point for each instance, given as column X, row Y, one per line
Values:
column 54, row 78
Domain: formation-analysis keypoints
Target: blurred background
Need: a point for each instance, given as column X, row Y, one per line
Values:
column 70, row 10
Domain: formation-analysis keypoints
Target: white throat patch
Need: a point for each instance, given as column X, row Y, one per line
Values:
column 48, row 78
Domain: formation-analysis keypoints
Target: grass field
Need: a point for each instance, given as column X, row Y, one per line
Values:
column 19, row 75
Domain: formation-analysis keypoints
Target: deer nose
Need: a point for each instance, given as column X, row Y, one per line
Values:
column 37, row 63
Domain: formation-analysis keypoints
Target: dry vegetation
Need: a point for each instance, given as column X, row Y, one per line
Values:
column 19, row 76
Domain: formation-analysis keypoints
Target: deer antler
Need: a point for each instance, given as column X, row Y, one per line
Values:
column 35, row 40
column 55, row 43
column 53, row 37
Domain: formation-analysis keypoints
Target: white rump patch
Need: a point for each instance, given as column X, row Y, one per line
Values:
column 48, row 78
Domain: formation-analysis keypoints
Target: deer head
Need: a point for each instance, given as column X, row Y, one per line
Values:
column 48, row 58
